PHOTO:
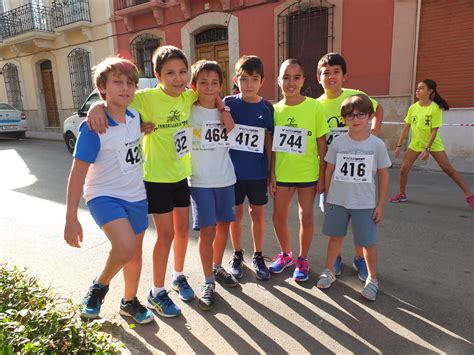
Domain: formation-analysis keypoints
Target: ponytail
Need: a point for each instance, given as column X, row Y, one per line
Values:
column 435, row 96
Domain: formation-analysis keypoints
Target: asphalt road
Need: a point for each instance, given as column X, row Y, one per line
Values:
column 426, row 302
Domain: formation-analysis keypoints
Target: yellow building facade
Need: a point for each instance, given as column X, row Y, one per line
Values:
column 47, row 50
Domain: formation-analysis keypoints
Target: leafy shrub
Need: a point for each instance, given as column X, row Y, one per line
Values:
column 32, row 319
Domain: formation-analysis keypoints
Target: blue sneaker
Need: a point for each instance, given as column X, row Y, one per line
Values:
column 134, row 309
column 281, row 262
column 181, row 286
column 163, row 304
column 236, row 264
column 91, row 303
column 361, row 267
column 338, row 266
column 261, row 270
column 301, row 272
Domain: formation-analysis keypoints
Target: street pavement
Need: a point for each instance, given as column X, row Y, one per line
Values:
column 425, row 305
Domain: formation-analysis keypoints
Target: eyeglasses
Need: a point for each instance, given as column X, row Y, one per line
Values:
column 359, row 116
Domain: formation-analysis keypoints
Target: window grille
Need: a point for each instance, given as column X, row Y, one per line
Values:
column 12, row 85
column 142, row 48
column 212, row 35
column 305, row 32
column 80, row 74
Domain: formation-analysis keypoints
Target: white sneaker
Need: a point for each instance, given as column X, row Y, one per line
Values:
column 326, row 279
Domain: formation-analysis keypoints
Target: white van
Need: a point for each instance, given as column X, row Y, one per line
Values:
column 71, row 124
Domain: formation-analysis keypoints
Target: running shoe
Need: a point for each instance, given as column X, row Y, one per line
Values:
column 301, row 272
column 136, row 310
column 326, row 279
column 225, row 278
column 361, row 267
column 261, row 270
column 470, row 201
column 163, row 304
column 93, row 301
column 207, row 299
column 370, row 289
column 236, row 264
column 181, row 286
column 281, row 262
column 398, row 197
column 338, row 266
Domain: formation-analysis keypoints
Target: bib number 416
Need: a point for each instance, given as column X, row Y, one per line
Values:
column 352, row 169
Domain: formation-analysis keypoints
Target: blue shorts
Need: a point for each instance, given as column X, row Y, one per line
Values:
column 106, row 209
column 255, row 190
column 212, row 205
column 336, row 220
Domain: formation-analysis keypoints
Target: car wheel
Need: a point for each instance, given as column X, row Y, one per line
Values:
column 70, row 140
column 21, row 135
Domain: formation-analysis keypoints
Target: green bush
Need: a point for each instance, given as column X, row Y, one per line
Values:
column 32, row 319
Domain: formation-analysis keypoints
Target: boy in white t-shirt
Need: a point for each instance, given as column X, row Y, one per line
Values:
column 109, row 169
column 212, row 181
column 353, row 162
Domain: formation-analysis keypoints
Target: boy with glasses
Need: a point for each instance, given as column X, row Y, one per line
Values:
column 353, row 162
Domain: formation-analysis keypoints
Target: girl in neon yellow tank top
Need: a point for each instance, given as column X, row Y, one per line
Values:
column 301, row 123
column 425, row 118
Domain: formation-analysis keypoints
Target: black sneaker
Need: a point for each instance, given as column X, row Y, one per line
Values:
column 93, row 301
column 236, row 264
column 136, row 310
column 261, row 270
column 206, row 301
column 224, row 278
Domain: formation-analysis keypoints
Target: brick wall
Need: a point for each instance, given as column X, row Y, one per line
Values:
column 446, row 49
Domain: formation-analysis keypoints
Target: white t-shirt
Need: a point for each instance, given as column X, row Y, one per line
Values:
column 116, row 160
column 353, row 180
column 211, row 167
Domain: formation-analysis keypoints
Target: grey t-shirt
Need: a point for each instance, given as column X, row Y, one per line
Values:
column 353, row 180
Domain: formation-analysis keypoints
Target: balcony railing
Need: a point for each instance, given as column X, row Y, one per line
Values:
column 29, row 17
column 66, row 12
column 123, row 4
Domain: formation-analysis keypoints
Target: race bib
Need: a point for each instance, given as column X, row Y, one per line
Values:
column 130, row 156
column 335, row 132
column 248, row 138
column 289, row 140
column 354, row 168
column 183, row 139
column 213, row 135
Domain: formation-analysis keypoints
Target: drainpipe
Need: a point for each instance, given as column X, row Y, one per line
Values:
column 415, row 59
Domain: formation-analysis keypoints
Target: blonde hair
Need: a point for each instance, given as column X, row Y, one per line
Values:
column 115, row 65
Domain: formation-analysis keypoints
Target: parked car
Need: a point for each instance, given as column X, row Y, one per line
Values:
column 71, row 124
column 12, row 121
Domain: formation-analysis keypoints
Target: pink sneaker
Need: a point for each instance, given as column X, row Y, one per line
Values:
column 470, row 201
column 281, row 262
column 398, row 197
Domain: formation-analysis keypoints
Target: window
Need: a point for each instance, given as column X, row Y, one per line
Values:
column 212, row 35
column 81, row 75
column 12, row 85
column 142, row 48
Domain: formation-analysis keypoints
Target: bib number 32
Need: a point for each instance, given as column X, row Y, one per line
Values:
column 182, row 141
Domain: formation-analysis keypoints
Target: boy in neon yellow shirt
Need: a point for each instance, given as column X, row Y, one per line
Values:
column 332, row 70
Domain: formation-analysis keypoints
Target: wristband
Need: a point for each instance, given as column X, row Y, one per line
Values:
column 398, row 146
column 427, row 149
column 225, row 108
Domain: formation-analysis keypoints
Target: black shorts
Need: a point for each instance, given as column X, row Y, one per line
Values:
column 163, row 196
column 297, row 184
column 255, row 190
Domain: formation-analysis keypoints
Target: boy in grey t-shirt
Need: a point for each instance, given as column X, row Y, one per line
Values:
column 353, row 162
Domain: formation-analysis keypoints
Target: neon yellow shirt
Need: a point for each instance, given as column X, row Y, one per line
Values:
column 422, row 120
column 308, row 115
column 332, row 107
column 169, row 114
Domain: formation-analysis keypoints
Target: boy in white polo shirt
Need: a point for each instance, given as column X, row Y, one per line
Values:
column 109, row 169
column 212, row 181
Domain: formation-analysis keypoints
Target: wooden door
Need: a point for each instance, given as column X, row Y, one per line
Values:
column 50, row 97
column 218, row 51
